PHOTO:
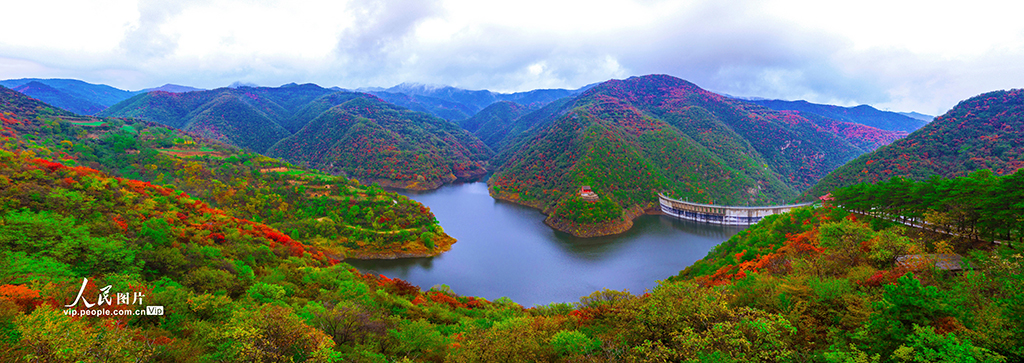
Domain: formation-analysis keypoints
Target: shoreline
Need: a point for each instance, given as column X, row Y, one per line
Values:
column 421, row 185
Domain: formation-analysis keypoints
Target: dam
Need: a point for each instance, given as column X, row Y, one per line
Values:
column 721, row 214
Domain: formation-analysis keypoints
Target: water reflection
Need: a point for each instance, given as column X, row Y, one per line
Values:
column 505, row 249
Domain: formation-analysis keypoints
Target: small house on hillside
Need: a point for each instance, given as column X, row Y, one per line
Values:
column 587, row 194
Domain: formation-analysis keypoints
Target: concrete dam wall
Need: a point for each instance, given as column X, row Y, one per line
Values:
column 721, row 214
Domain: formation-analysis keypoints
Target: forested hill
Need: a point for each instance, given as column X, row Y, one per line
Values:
column 502, row 130
column 14, row 105
column 865, row 137
column 633, row 138
column 983, row 132
column 337, row 131
column 501, row 112
column 372, row 140
column 58, row 98
column 491, row 124
column 248, row 117
column 863, row 114
column 335, row 213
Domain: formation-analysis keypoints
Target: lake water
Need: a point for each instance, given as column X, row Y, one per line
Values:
column 505, row 249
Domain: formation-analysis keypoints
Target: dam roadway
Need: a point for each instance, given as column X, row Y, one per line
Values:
column 721, row 214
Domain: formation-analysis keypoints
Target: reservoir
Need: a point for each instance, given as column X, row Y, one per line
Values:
column 505, row 249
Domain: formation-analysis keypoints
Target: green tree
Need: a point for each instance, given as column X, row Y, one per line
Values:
column 904, row 304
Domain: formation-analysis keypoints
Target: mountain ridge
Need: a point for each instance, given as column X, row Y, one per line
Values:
column 982, row 132
column 277, row 121
column 862, row 114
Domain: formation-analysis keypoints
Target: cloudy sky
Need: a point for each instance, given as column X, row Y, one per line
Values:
column 900, row 55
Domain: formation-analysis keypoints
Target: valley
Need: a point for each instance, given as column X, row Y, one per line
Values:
column 396, row 181
column 313, row 257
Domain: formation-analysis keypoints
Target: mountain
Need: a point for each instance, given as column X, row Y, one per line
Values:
column 862, row 114
column 337, row 131
column 919, row 116
column 492, row 123
column 502, row 131
column 249, row 117
column 630, row 139
column 73, row 95
column 456, row 104
column 16, row 108
column 446, row 109
column 983, row 132
column 865, row 137
column 58, row 98
column 372, row 140
column 335, row 213
column 172, row 88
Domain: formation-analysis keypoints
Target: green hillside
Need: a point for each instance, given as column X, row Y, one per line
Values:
column 632, row 139
column 344, row 133
column 500, row 114
column 983, row 132
column 248, row 117
column 371, row 140
column 502, row 132
column 334, row 212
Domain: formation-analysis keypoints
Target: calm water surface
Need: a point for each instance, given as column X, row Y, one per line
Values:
column 505, row 249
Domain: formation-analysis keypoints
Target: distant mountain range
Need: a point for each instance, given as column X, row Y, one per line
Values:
column 457, row 104
column 863, row 114
column 918, row 115
column 70, row 94
column 983, row 132
column 336, row 131
column 77, row 96
column 172, row 88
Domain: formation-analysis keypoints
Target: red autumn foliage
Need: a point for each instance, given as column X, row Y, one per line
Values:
column 26, row 298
